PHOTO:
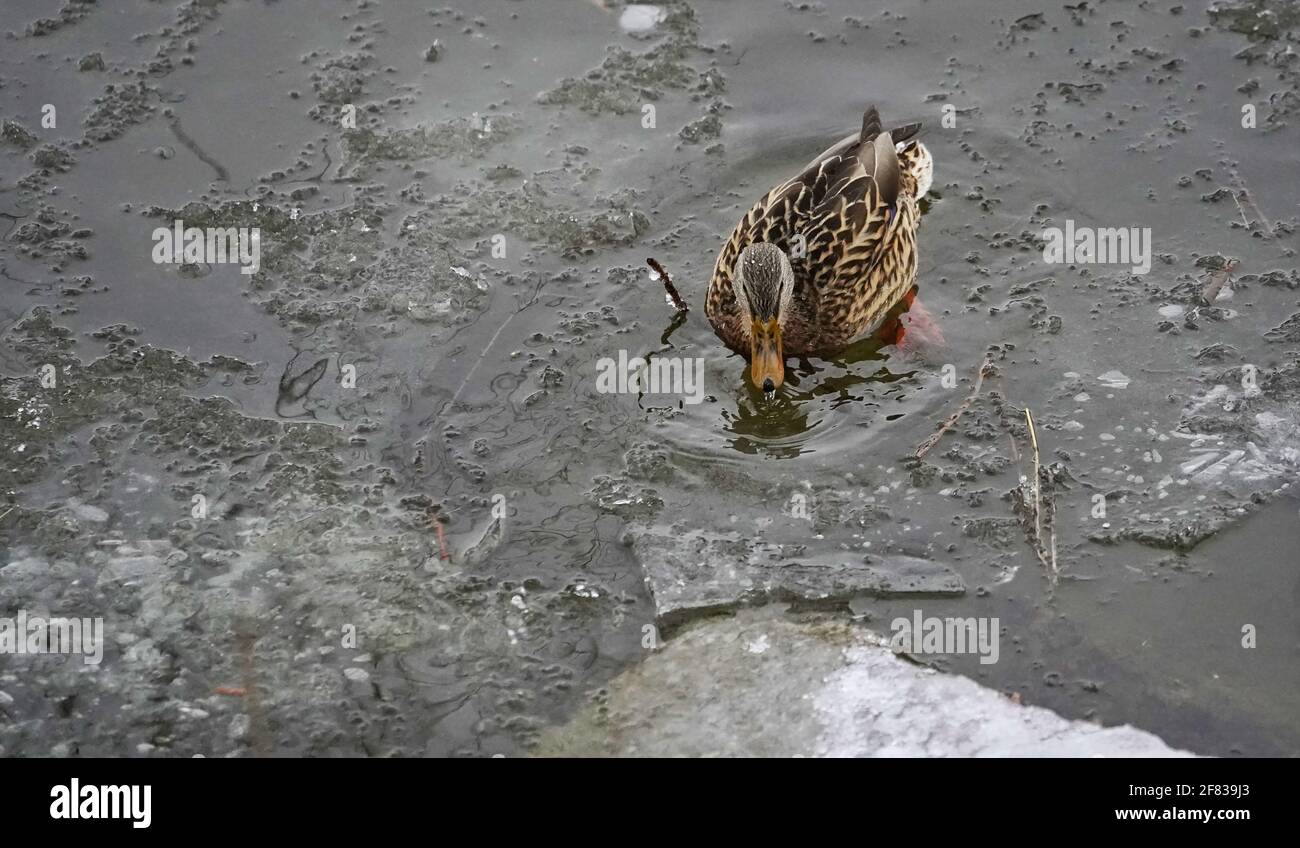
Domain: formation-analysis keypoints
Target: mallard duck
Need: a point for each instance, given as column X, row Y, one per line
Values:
column 824, row 256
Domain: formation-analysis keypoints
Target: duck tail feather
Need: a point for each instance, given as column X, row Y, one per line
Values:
column 906, row 131
column 870, row 125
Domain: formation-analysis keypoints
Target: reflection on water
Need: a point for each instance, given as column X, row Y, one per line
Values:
column 784, row 426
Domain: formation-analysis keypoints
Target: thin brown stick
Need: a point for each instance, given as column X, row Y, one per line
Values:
column 1244, row 219
column 947, row 425
column 1249, row 197
column 1046, row 554
column 1038, row 504
column 668, row 285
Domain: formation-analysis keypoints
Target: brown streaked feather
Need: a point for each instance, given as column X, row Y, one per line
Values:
column 870, row 124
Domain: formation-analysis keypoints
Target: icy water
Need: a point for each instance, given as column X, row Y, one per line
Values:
column 369, row 499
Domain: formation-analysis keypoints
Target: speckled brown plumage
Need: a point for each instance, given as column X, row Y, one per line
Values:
column 859, row 255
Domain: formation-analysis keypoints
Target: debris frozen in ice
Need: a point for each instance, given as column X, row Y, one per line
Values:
column 1114, row 380
column 640, row 17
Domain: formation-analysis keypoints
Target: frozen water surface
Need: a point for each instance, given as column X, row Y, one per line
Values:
column 370, row 500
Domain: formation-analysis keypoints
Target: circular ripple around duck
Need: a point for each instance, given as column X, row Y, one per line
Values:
column 832, row 409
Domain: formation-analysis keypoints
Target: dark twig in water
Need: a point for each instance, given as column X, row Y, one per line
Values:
column 679, row 318
column 1217, row 280
column 947, row 425
column 192, row 145
column 668, row 285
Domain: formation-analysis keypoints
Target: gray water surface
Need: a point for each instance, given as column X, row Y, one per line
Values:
column 458, row 551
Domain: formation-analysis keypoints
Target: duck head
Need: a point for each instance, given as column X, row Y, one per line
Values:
column 764, row 284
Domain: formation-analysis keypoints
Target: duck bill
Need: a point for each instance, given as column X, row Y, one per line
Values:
column 766, row 358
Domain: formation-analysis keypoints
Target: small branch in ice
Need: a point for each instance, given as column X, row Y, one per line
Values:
column 1250, row 199
column 1038, row 503
column 1244, row 220
column 1246, row 194
column 1046, row 552
column 668, row 285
